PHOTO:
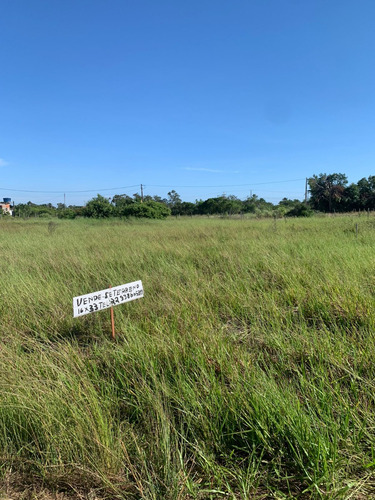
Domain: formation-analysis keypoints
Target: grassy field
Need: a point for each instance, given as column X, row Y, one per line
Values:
column 246, row 372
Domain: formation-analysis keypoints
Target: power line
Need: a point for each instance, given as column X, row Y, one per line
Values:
column 228, row 185
column 150, row 185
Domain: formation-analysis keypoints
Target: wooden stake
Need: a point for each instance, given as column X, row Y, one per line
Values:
column 112, row 320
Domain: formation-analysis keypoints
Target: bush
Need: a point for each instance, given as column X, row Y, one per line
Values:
column 98, row 208
column 148, row 209
column 300, row 210
column 68, row 213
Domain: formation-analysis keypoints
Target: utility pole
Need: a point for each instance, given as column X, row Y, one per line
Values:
column 64, row 201
column 306, row 191
column 141, row 193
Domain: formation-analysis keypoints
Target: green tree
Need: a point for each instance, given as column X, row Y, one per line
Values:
column 220, row 205
column 67, row 213
column 173, row 198
column 366, row 192
column 159, row 199
column 98, row 208
column 299, row 209
column 187, row 208
column 30, row 209
column 147, row 209
column 174, row 202
column 121, row 199
column 253, row 205
column 327, row 191
column 351, row 198
column 286, row 205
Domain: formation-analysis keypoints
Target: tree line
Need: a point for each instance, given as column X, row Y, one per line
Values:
column 331, row 193
column 155, row 207
column 327, row 193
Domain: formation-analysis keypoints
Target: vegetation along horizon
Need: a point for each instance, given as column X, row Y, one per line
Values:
column 327, row 193
column 246, row 370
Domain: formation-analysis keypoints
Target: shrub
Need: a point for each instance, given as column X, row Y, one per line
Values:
column 300, row 210
column 98, row 208
column 148, row 209
column 67, row 213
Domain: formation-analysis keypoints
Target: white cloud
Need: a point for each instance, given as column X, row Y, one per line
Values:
column 3, row 163
column 212, row 170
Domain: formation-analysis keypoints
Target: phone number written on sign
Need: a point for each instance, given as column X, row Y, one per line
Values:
column 97, row 301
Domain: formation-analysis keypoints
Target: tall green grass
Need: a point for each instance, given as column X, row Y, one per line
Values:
column 246, row 371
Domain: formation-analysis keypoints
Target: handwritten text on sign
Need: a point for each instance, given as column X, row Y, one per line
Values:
column 97, row 301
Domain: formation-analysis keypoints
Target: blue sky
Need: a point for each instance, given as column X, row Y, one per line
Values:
column 205, row 97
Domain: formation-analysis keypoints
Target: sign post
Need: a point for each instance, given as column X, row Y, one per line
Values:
column 112, row 320
column 103, row 299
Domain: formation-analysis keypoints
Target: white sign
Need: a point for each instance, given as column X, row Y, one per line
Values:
column 97, row 301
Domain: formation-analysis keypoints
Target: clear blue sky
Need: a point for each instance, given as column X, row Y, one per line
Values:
column 218, row 94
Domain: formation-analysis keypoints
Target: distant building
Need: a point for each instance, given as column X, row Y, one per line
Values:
column 6, row 206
